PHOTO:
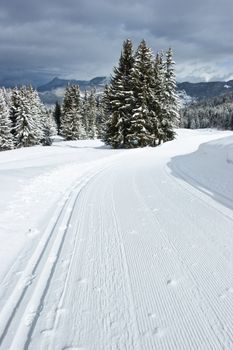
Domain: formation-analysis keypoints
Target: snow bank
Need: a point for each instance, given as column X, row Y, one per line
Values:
column 210, row 169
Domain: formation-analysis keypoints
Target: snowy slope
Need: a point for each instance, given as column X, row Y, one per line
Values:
column 118, row 249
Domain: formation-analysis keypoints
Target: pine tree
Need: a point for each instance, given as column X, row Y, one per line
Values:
column 38, row 112
column 57, row 116
column 84, row 112
column 139, row 130
column 26, row 130
column 49, row 128
column 141, row 103
column 118, row 99
column 91, row 112
column 101, row 117
column 72, row 120
column 172, row 117
column 160, row 105
column 14, row 107
column 6, row 138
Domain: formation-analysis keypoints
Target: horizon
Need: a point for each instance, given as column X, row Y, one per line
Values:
column 104, row 76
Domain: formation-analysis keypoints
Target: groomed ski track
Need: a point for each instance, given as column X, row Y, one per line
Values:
column 135, row 258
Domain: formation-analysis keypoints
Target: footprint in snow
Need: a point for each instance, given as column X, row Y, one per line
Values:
column 32, row 232
column 82, row 280
column 159, row 332
column 171, row 282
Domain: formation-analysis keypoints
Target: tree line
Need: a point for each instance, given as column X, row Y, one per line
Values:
column 215, row 112
column 24, row 120
column 81, row 117
column 139, row 107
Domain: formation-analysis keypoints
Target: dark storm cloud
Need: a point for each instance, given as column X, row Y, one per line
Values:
column 82, row 39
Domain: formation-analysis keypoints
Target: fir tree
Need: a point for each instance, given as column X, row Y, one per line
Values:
column 142, row 75
column 57, row 116
column 171, row 119
column 141, row 103
column 118, row 99
column 27, row 131
column 101, row 116
column 84, row 112
column 160, row 105
column 91, row 112
column 6, row 138
column 14, row 107
column 49, row 128
column 72, row 120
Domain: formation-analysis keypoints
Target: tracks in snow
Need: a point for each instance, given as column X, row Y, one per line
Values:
column 19, row 314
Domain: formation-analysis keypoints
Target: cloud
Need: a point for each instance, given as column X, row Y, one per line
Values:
column 82, row 39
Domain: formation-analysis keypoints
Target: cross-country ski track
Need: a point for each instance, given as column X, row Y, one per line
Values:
column 136, row 256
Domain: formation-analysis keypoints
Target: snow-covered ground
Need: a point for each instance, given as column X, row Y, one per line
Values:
column 128, row 249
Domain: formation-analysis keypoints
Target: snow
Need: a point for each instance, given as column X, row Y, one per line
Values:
column 118, row 249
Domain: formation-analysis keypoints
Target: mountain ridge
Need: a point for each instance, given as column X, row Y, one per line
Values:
column 200, row 90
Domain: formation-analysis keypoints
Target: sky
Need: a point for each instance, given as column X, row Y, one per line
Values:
column 82, row 39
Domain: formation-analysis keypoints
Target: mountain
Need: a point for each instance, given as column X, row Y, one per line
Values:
column 205, row 90
column 54, row 90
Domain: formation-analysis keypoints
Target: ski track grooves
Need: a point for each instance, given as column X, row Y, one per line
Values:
column 211, row 311
column 136, row 340
column 29, row 280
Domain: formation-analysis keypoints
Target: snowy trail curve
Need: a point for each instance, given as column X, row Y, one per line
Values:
column 138, row 259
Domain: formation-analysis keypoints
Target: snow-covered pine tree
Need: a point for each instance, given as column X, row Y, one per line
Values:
column 57, row 116
column 156, row 101
column 172, row 117
column 6, row 137
column 38, row 112
column 27, row 131
column 91, row 111
column 49, row 128
column 118, row 100
column 141, row 79
column 84, row 112
column 101, row 117
column 14, row 107
column 160, row 105
column 72, row 120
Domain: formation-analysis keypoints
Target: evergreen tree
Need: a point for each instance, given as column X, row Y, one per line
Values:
column 6, row 138
column 161, row 103
column 26, row 130
column 49, row 128
column 118, row 99
column 72, row 120
column 157, row 110
column 141, row 78
column 91, row 112
column 57, row 116
column 101, row 118
column 38, row 112
column 14, row 107
column 84, row 112
column 172, row 116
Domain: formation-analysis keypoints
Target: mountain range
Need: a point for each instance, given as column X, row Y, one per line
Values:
column 54, row 90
